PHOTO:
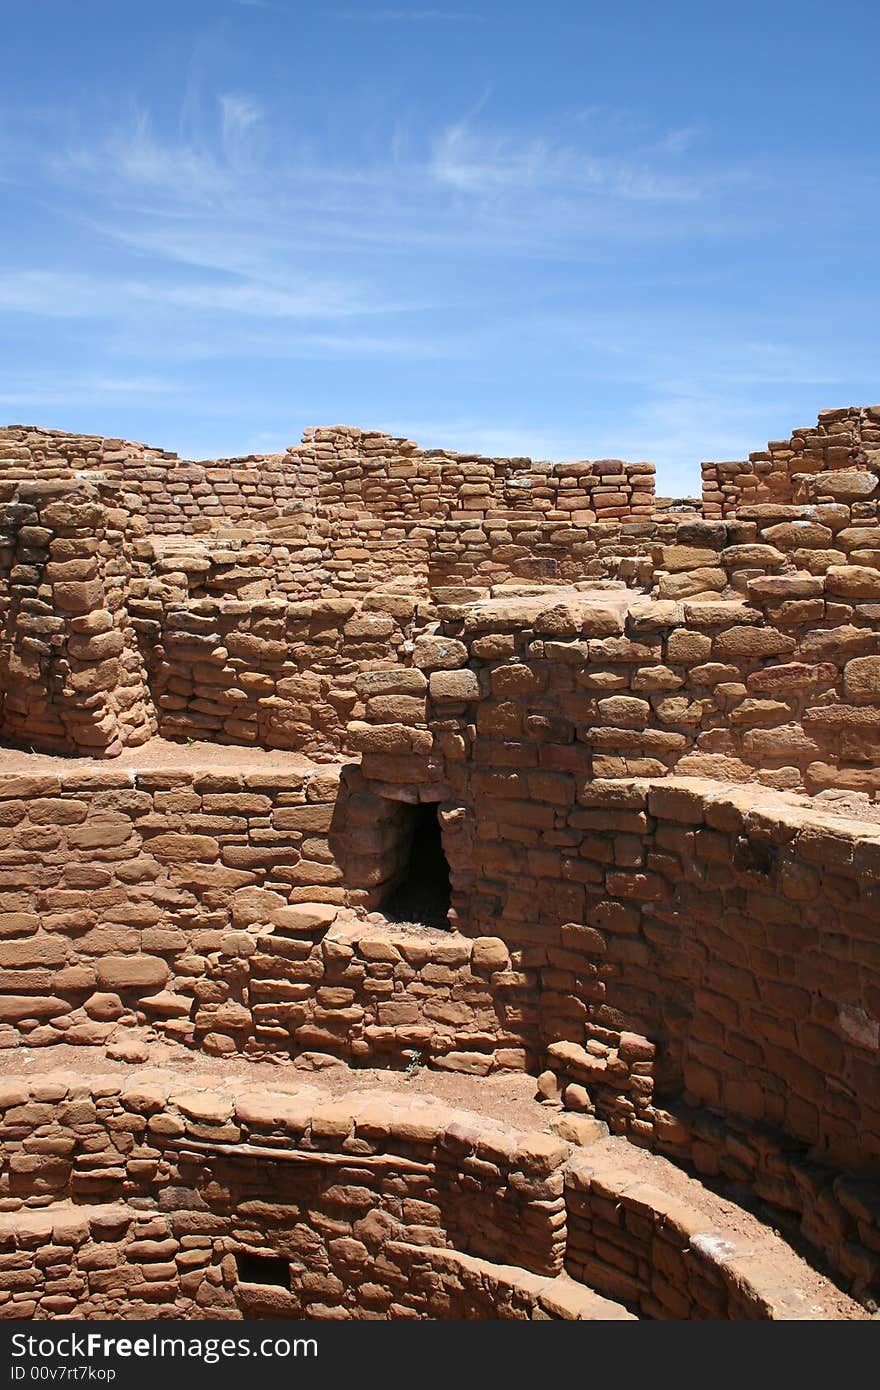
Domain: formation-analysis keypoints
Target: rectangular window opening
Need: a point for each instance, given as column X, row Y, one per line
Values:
column 262, row 1269
column 421, row 895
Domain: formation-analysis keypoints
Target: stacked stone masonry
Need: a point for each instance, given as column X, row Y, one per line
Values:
column 650, row 730
column 217, row 913
column 147, row 1199
column 829, row 461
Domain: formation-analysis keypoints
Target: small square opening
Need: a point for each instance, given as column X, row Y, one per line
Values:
column 262, row 1269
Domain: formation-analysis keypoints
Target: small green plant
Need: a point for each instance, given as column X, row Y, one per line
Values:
column 414, row 1065
column 190, row 740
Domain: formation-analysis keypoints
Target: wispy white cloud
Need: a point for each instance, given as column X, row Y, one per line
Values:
column 47, row 293
column 213, row 235
column 482, row 163
column 135, row 159
column 680, row 141
column 649, row 349
column 220, row 203
column 46, row 390
column 240, row 116
column 57, row 294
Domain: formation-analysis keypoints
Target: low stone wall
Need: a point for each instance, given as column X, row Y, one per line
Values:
column 383, row 475
column 533, row 692
column 322, row 1184
column 650, row 1249
column 372, row 995
column 93, row 1262
column 364, row 554
column 150, row 1198
column 268, row 673
column 114, row 882
column 162, row 492
column 31, row 453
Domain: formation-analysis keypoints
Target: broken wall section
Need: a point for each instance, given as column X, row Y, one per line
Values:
column 826, row 460
column 71, row 675
column 163, row 493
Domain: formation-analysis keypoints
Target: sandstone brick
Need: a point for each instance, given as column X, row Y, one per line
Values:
column 17, row 1006
column 490, row 953
column 304, row 917
column 43, row 949
column 861, row 679
column 686, row 647
column 57, row 811
column 78, row 596
column 684, row 557
column 454, row 685
column 853, row 582
column 752, row 643
column 183, row 848
column 131, row 972
column 249, row 905
column 438, row 653
column 625, row 710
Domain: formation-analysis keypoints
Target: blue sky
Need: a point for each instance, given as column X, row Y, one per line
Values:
column 564, row 229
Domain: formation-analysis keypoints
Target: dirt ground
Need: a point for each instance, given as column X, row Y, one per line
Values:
column 508, row 1097
column 161, row 752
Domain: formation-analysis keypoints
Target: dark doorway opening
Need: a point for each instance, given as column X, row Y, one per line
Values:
column 263, row 1269
column 422, row 894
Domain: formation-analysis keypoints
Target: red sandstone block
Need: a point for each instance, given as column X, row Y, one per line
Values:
column 645, row 887
column 28, row 785
column 678, row 803
column 178, row 847
column 14, row 1007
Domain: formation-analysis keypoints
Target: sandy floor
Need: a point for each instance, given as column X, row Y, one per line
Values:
column 509, row 1097
column 160, row 752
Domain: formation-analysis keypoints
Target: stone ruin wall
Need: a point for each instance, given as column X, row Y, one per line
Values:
column 622, row 708
column 210, row 896
column 831, row 461
column 71, row 671
column 156, row 1194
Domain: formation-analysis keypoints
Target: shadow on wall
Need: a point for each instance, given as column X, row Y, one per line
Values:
column 390, row 854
